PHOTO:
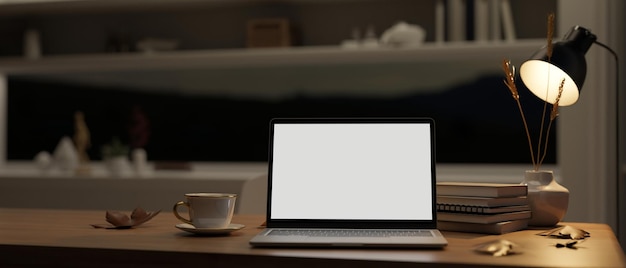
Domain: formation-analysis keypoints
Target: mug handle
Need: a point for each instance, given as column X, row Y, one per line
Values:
column 175, row 210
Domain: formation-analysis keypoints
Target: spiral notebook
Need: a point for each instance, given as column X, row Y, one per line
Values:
column 480, row 209
column 360, row 182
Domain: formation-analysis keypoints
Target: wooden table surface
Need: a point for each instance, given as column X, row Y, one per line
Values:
column 37, row 237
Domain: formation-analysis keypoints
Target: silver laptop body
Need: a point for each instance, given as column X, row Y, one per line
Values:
column 351, row 182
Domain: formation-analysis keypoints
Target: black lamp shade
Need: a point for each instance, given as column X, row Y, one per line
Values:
column 543, row 75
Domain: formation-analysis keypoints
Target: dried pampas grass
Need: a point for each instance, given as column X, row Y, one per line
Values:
column 509, row 81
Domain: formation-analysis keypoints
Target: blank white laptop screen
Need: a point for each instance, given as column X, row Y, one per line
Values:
column 348, row 171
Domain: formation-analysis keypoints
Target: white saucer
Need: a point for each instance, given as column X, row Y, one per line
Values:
column 210, row 231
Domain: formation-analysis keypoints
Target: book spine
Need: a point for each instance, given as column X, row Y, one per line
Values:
column 461, row 208
column 491, row 228
column 495, row 29
column 456, row 20
column 507, row 21
column 481, row 20
column 440, row 21
column 482, row 218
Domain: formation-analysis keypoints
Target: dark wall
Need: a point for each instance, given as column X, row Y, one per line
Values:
column 476, row 122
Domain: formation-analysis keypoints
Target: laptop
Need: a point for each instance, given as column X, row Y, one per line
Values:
column 351, row 182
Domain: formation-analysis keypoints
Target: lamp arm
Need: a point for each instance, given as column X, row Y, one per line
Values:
column 607, row 48
column 617, row 138
column 616, row 67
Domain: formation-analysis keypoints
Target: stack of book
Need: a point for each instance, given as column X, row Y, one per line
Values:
column 490, row 208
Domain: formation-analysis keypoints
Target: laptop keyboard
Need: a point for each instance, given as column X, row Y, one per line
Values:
column 352, row 233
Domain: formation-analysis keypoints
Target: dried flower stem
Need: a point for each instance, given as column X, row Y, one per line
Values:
column 555, row 107
column 509, row 71
column 543, row 120
column 545, row 104
column 553, row 114
column 550, row 35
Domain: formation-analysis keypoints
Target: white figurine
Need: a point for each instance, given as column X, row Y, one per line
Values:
column 65, row 155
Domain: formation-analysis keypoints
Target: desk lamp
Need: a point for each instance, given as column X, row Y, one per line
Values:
column 542, row 74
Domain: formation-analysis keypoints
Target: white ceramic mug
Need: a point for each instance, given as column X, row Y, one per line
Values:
column 207, row 210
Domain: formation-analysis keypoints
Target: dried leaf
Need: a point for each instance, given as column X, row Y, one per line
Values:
column 497, row 248
column 118, row 219
column 571, row 245
column 138, row 213
column 566, row 232
column 139, row 216
column 573, row 232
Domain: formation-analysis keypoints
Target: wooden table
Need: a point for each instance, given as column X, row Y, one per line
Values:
column 45, row 238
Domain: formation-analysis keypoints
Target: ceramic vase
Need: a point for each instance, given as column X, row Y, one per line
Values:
column 548, row 199
column 140, row 161
column 119, row 166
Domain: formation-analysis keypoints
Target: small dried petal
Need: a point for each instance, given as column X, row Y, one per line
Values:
column 140, row 216
column 571, row 245
column 566, row 232
column 573, row 232
column 497, row 248
column 118, row 219
column 138, row 213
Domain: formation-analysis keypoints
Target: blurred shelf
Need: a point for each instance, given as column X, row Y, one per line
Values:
column 271, row 57
column 37, row 7
column 30, row 7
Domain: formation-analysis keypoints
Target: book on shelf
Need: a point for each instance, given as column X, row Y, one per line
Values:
column 482, row 201
column 480, row 210
column 482, row 218
column 491, row 228
column 481, row 189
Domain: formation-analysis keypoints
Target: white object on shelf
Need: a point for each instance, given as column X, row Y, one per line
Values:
column 119, row 166
column 354, row 41
column 140, row 161
column 65, row 155
column 43, row 160
column 370, row 40
column 403, row 34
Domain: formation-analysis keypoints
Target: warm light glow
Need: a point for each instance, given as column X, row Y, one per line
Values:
column 543, row 79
